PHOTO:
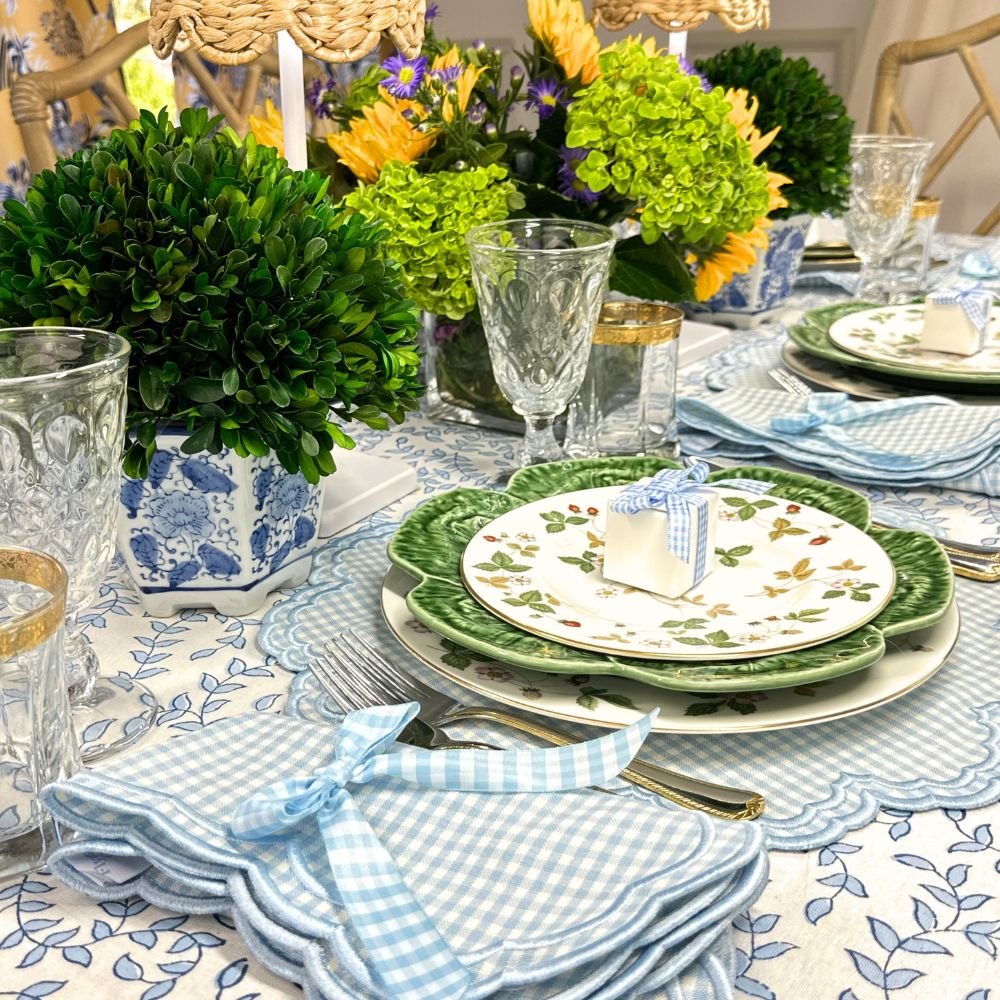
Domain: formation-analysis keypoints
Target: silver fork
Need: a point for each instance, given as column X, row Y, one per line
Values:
column 354, row 690
column 352, row 654
column 789, row 382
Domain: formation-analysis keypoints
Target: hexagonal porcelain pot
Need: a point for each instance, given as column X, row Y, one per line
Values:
column 216, row 531
column 769, row 282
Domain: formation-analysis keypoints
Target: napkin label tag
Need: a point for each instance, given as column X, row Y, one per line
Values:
column 106, row 869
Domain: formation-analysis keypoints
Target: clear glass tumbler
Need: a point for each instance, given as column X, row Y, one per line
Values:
column 907, row 269
column 627, row 404
column 62, row 414
column 540, row 284
column 37, row 742
column 886, row 171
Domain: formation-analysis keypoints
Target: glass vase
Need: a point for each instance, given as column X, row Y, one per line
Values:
column 627, row 404
column 459, row 375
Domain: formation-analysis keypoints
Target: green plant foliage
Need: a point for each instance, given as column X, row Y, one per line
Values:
column 812, row 147
column 656, row 138
column 427, row 217
column 253, row 304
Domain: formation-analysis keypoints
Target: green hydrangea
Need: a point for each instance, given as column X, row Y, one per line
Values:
column 427, row 217
column 656, row 138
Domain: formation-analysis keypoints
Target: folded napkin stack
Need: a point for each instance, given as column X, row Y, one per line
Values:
column 364, row 870
column 923, row 440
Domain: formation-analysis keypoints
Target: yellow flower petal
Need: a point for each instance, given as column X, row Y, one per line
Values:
column 736, row 256
column 562, row 25
column 381, row 134
column 269, row 131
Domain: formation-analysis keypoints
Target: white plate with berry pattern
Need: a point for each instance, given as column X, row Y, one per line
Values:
column 787, row 576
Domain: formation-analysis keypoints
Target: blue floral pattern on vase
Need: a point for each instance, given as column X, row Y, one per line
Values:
column 213, row 523
column 769, row 282
column 285, row 516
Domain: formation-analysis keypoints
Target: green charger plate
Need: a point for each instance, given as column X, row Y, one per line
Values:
column 430, row 543
column 812, row 334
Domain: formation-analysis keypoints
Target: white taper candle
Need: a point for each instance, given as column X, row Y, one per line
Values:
column 293, row 100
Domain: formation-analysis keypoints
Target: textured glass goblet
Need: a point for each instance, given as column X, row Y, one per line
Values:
column 62, row 429
column 540, row 284
column 886, row 171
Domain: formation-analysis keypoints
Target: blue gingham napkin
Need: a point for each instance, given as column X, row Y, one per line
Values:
column 546, row 895
column 916, row 441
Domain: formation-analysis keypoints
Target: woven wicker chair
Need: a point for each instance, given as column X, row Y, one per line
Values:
column 682, row 15
column 887, row 112
column 33, row 93
column 232, row 32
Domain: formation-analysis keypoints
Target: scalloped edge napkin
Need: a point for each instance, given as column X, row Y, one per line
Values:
column 675, row 879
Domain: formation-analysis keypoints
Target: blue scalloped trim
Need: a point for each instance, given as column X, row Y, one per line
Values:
column 852, row 799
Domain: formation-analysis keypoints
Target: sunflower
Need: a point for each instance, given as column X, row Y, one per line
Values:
column 738, row 253
column 382, row 133
column 735, row 256
column 270, row 130
column 562, row 25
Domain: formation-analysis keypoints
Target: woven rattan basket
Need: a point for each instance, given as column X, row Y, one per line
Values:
column 682, row 15
column 233, row 32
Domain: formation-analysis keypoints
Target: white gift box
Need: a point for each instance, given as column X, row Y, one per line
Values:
column 956, row 327
column 636, row 552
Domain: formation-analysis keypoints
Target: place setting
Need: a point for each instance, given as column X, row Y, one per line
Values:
column 502, row 519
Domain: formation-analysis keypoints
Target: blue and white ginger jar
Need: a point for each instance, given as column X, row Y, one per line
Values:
column 769, row 282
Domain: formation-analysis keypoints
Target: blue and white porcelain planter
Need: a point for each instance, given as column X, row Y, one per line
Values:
column 749, row 298
column 216, row 531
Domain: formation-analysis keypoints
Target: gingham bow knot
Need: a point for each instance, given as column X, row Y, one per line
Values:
column 821, row 408
column 975, row 300
column 406, row 952
column 830, row 410
column 676, row 491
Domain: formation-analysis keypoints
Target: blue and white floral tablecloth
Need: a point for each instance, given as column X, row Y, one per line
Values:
column 907, row 907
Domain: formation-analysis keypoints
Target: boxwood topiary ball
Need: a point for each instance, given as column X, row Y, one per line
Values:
column 252, row 303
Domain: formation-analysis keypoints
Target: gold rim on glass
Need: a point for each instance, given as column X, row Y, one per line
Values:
column 637, row 323
column 925, row 208
column 33, row 628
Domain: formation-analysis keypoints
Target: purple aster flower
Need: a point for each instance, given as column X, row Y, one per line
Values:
column 570, row 184
column 476, row 112
column 318, row 90
column 691, row 71
column 406, row 75
column 432, row 12
column 545, row 95
column 447, row 75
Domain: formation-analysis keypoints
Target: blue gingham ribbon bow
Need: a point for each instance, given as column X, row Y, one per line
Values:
column 830, row 410
column 975, row 300
column 405, row 950
column 677, row 491
column 982, row 264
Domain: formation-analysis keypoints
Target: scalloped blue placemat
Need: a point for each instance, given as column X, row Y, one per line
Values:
column 937, row 747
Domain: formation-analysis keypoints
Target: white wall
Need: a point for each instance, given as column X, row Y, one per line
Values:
column 829, row 33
